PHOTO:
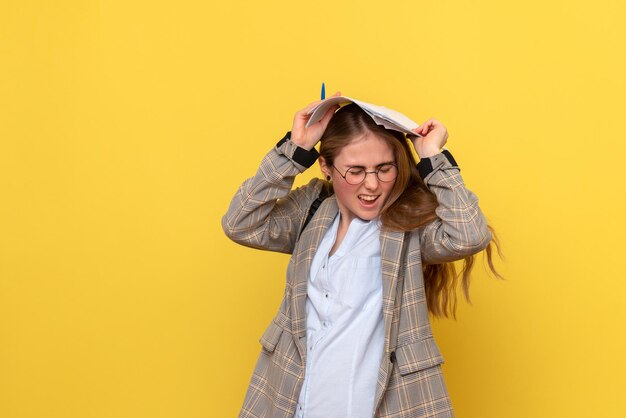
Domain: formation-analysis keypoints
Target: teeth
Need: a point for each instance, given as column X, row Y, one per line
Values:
column 368, row 198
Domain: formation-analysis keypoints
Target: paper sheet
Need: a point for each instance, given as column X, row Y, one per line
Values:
column 388, row 118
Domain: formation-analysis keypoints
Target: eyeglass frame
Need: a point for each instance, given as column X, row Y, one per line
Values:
column 368, row 172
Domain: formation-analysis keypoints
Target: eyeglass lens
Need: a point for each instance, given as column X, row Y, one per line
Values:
column 385, row 173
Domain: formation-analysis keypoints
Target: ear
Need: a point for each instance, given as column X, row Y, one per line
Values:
column 326, row 169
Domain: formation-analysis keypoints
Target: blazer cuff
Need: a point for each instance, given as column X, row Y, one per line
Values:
column 299, row 155
column 430, row 164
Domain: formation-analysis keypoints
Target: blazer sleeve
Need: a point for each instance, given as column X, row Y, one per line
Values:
column 461, row 228
column 265, row 213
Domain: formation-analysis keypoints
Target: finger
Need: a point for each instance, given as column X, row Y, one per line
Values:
column 429, row 125
column 309, row 109
column 436, row 124
column 311, row 106
column 298, row 124
column 315, row 103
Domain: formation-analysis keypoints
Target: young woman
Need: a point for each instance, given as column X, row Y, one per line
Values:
column 352, row 337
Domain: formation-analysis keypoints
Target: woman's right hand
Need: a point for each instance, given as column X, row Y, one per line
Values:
column 305, row 137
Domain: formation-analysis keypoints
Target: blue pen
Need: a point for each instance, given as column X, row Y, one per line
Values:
column 323, row 91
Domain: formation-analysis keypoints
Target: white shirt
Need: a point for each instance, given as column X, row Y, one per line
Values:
column 345, row 336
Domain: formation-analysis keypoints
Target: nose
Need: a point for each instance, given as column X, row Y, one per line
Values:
column 371, row 182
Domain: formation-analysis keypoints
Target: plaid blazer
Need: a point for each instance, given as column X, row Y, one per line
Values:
column 266, row 214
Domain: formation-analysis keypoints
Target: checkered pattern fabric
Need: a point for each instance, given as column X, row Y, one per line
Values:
column 267, row 214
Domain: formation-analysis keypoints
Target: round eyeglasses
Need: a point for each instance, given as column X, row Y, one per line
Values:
column 356, row 175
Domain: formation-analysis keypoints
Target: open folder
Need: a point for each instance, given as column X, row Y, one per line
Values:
column 388, row 118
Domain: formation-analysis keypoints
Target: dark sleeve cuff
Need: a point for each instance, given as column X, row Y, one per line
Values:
column 425, row 166
column 300, row 155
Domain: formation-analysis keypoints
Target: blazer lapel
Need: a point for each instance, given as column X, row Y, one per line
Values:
column 391, row 244
column 304, row 252
column 391, row 258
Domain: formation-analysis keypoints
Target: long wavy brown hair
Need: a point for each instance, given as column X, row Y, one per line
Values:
column 409, row 206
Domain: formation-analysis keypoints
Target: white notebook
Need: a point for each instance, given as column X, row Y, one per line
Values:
column 388, row 118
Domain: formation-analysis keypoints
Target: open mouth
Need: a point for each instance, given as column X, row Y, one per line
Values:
column 368, row 199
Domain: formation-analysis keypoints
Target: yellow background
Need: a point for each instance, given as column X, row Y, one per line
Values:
column 126, row 127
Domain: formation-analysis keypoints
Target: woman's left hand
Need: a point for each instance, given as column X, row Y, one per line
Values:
column 434, row 137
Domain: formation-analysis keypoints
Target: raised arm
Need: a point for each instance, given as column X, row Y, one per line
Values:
column 461, row 228
column 265, row 213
